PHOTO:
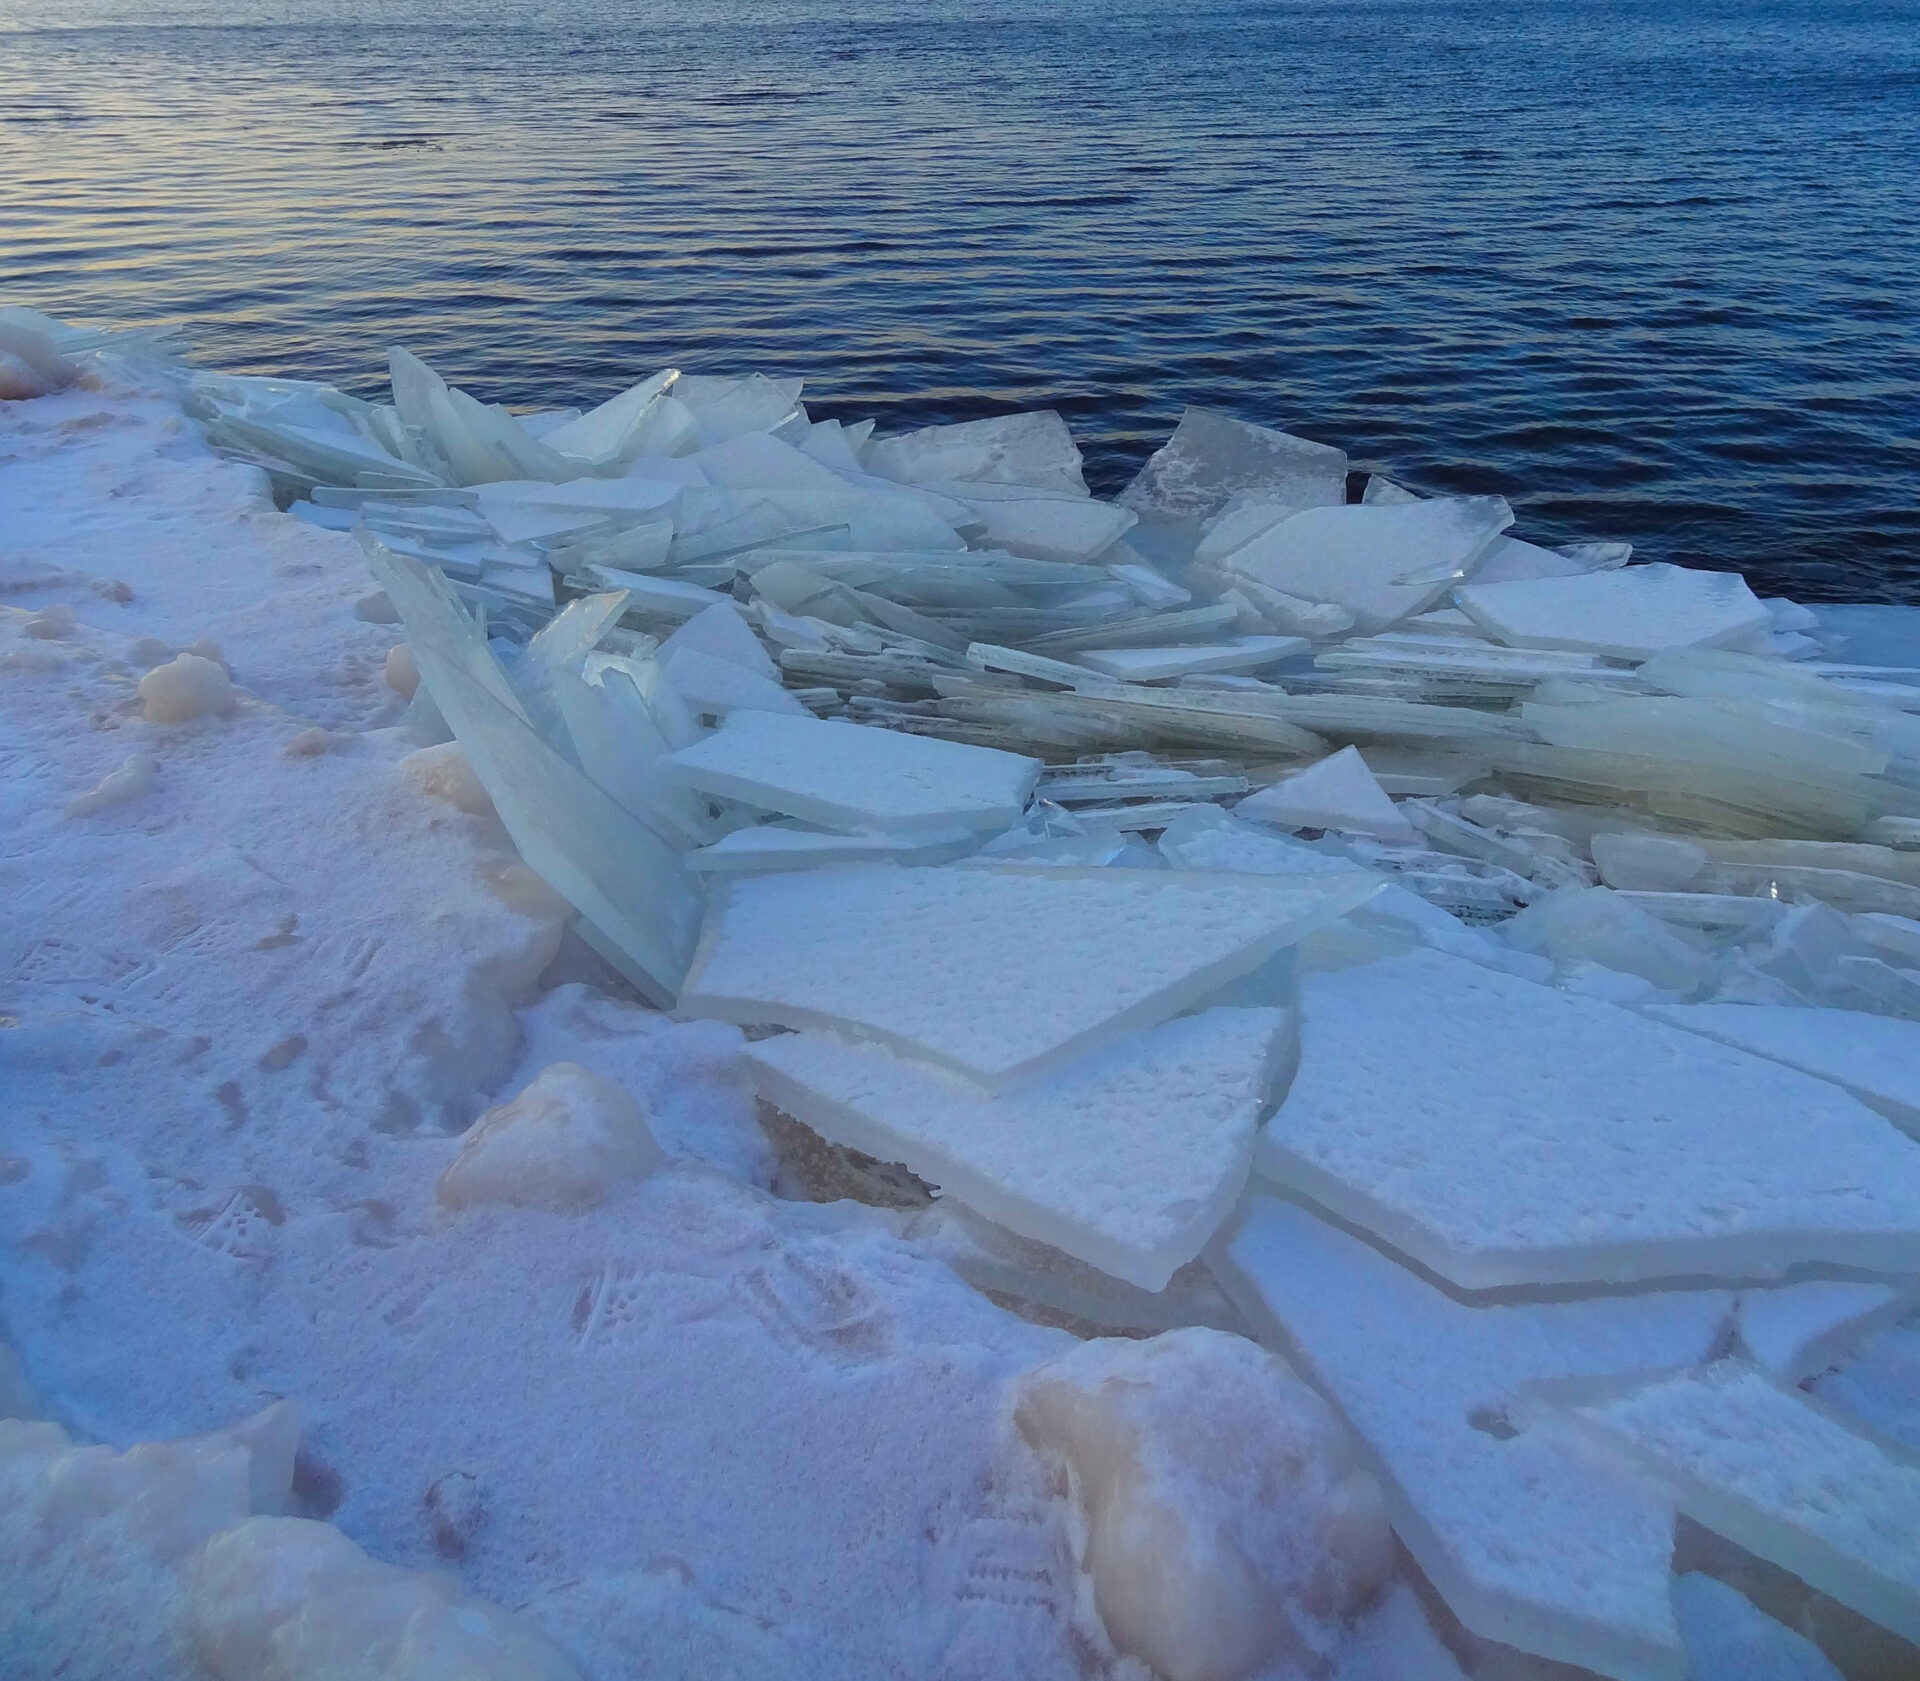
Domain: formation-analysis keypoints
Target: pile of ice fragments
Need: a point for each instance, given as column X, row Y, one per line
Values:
column 1497, row 966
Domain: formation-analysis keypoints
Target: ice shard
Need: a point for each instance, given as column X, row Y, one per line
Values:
column 1212, row 458
column 1339, row 792
column 1380, row 563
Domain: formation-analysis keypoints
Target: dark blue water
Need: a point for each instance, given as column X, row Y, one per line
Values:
column 1650, row 268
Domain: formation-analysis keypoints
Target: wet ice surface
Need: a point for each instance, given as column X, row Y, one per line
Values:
column 329, row 916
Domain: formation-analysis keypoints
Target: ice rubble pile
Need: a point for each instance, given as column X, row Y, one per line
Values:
column 1567, row 909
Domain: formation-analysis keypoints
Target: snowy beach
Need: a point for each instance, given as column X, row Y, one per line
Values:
column 688, row 1042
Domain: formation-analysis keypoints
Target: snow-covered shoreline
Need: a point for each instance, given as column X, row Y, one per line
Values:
column 266, row 964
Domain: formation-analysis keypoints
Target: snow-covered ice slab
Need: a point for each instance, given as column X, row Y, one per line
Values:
column 1788, row 1478
column 1877, row 1058
column 1243, row 653
column 1127, row 1158
column 852, row 776
column 1530, row 1540
column 1381, row 563
column 1339, row 792
column 997, row 972
column 1506, row 1133
column 1632, row 613
column 1798, row 1330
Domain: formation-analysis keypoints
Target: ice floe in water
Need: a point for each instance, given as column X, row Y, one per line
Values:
column 1069, row 880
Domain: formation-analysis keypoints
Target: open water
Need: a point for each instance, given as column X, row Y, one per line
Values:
column 1651, row 270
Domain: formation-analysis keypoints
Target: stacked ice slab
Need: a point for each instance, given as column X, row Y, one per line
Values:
column 1014, row 1034
column 1499, row 963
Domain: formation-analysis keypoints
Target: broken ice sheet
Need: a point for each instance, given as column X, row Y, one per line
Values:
column 1339, row 792
column 1784, row 1476
column 1515, row 1134
column 853, row 776
column 996, row 972
column 1632, row 613
column 1877, row 1058
column 1530, row 1540
column 1381, row 563
column 1127, row 1158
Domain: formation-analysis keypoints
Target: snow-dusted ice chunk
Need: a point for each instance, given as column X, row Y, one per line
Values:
column 185, row 688
column 1243, row 653
column 852, row 776
column 997, row 972
column 1338, row 792
column 1380, row 563
column 1507, row 1133
column 1228, row 1521
column 1729, row 1638
column 1034, row 449
column 1529, row 1540
column 1784, row 1476
column 1632, row 613
column 284, row 1599
column 560, row 1143
column 1877, row 1058
column 1798, row 1330
column 1127, row 1158
column 1212, row 458
column 133, row 779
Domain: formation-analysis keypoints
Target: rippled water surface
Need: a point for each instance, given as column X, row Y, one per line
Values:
column 1652, row 270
